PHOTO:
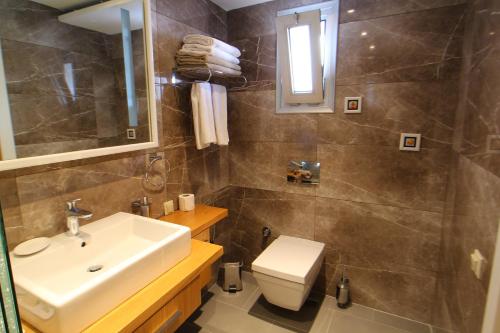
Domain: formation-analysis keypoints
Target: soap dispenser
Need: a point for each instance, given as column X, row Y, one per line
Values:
column 343, row 293
column 142, row 207
column 145, row 207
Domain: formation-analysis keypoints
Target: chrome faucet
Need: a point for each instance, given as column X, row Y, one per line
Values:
column 73, row 215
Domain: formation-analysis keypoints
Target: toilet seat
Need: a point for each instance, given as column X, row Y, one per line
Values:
column 290, row 258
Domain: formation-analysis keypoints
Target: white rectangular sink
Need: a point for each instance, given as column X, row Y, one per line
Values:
column 57, row 293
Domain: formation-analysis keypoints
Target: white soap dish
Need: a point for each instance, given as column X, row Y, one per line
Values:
column 32, row 246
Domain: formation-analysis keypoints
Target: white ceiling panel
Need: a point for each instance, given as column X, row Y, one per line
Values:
column 228, row 5
column 105, row 17
column 64, row 4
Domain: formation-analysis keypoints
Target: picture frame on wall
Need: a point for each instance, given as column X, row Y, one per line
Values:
column 410, row 142
column 352, row 104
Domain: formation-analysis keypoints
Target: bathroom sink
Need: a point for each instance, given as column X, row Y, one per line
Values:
column 77, row 280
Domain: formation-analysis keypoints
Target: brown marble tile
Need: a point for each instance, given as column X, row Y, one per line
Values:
column 407, row 295
column 390, row 109
column 29, row 22
column 418, row 46
column 364, row 10
column 45, row 119
column 202, row 15
column 384, row 175
column 258, row 20
column 252, row 21
column 263, row 165
column 258, row 58
column 284, row 213
column 478, row 118
column 230, row 197
column 9, row 201
column 34, row 69
column 379, row 237
column 252, row 117
column 471, row 219
column 474, row 225
column 202, row 172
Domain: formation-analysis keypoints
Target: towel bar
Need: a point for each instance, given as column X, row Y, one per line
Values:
column 196, row 72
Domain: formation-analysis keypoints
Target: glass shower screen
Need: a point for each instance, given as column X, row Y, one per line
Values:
column 10, row 322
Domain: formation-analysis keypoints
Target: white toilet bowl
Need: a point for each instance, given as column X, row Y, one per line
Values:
column 286, row 270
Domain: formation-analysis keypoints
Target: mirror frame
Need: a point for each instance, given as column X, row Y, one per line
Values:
column 81, row 154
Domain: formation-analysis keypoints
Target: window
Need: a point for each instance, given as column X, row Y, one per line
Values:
column 307, row 47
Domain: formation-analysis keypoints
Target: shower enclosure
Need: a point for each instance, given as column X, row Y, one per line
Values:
column 9, row 319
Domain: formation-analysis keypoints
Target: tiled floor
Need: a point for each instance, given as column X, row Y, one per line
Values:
column 228, row 313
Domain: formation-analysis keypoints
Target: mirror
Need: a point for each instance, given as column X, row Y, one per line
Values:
column 75, row 81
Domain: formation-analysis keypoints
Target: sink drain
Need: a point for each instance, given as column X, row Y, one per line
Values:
column 94, row 268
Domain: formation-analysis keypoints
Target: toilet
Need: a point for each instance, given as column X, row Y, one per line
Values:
column 286, row 270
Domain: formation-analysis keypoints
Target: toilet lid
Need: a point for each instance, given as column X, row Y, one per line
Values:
column 290, row 258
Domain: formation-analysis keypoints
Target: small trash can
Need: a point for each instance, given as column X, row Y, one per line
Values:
column 232, row 277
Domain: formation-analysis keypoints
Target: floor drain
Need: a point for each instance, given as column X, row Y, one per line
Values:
column 94, row 268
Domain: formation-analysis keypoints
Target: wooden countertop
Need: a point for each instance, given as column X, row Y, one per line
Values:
column 134, row 311
column 199, row 219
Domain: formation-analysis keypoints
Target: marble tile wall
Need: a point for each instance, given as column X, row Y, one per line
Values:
column 472, row 213
column 381, row 212
column 61, row 91
column 378, row 210
column 33, row 198
column 36, row 47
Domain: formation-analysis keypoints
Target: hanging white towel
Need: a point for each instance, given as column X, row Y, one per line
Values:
column 203, row 114
column 219, row 100
column 213, row 42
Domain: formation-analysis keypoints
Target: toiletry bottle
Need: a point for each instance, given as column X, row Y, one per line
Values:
column 145, row 207
column 343, row 293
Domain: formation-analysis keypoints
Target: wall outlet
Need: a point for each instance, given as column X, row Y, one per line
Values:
column 168, row 207
column 477, row 263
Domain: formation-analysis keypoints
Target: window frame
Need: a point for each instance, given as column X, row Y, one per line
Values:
column 284, row 24
column 330, row 14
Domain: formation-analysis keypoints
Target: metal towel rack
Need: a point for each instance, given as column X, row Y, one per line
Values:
column 196, row 72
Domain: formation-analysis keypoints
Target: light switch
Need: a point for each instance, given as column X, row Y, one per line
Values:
column 477, row 263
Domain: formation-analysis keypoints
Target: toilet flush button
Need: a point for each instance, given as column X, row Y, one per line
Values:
column 477, row 263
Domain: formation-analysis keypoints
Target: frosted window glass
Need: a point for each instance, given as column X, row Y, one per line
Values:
column 323, row 42
column 299, row 44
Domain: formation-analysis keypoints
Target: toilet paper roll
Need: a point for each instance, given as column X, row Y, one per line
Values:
column 186, row 202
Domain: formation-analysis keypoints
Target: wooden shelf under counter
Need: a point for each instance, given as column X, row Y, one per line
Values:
column 170, row 299
column 198, row 220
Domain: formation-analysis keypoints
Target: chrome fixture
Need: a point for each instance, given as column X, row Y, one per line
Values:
column 148, row 181
column 73, row 215
column 142, row 207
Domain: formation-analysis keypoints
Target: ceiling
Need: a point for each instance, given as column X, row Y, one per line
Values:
column 64, row 4
column 228, row 5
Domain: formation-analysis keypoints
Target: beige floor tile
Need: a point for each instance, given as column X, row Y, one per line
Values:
column 345, row 323
column 400, row 322
column 243, row 299
column 218, row 317
column 228, row 313
column 324, row 316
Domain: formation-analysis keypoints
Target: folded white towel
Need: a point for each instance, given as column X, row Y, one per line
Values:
column 203, row 115
column 200, row 50
column 206, row 59
column 213, row 42
column 224, row 70
column 219, row 101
